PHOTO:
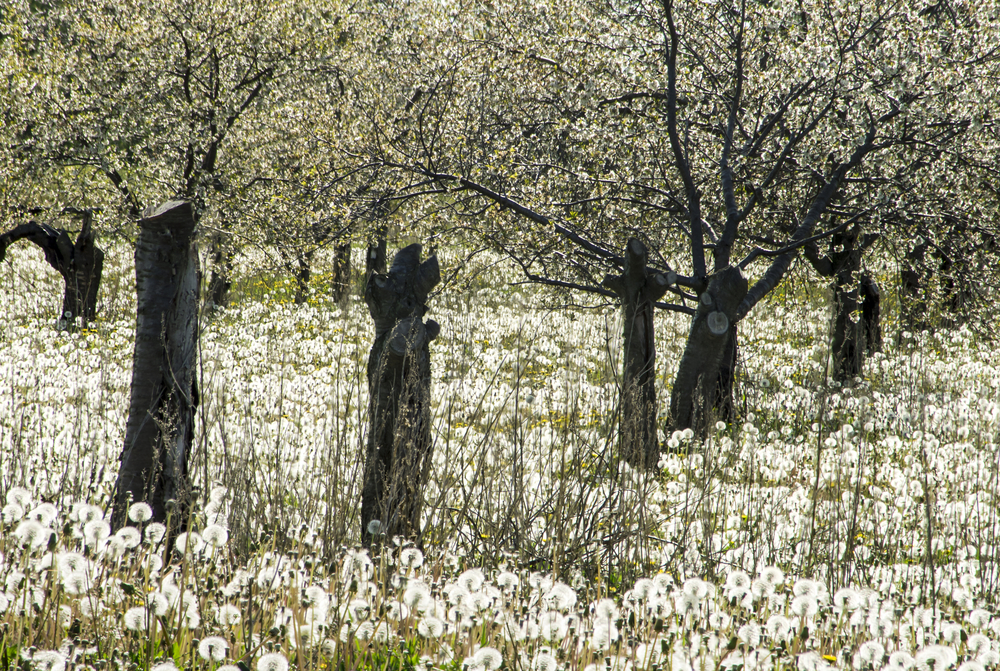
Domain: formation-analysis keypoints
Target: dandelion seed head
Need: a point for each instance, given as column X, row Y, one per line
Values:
column 20, row 496
column 272, row 661
column 213, row 648
column 471, row 580
column 979, row 618
column 900, row 661
column 430, row 627
column 136, row 618
column 488, row 658
column 11, row 513
column 228, row 615
column 562, row 596
column 140, row 512
column 772, row 575
column 605, row 609
column 719, row 619
column 935, row 658
column 215, row 535
column 805, row 605
column 154, row 533
column 32, row 535
column 411, row 557
column 96, row 531
column 48, row 660
column 749, row 633
column 544, row 661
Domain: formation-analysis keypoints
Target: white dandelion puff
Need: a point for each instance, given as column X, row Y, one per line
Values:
column 935, row 658
column 472, row 579
column 32, row 535
column 772, row 575
column 869, row 654
column 900, row 661
column 488, row 658
column 96, row 531
column 544, row 661
column 164, row 666
column 411, row 557
column 154, row 533
column 430, row 627
column 805, row 605
column 749, row 633
column 137, row 618
column 971, row 665
column 213, row 648
column 228, row 615
column 48, row 660
column 215, row 535
column 130, row 537
column 562, row 596
column 140, row 512
column 272, row 661
column 507, row 581
column 19, row 495
column 11, row 513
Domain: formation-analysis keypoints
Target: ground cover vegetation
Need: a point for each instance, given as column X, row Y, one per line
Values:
column 604, row 192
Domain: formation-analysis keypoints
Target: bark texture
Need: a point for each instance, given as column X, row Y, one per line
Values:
column 81, row 264
column 341, row 272
column 856, row 331
column 710, row 343
column 399, row 436
column 160, row 428
column 639, row 288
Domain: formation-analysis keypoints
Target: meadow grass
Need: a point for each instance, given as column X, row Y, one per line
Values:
column 849, row 526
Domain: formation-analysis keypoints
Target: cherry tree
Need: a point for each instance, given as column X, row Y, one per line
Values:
column 720, row 138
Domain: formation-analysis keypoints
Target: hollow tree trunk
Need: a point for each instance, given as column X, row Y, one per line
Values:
column 341, row 272
column 711, row 332
column 639, row 288
column 160, row 428
column 398, row 454
column 81, row 264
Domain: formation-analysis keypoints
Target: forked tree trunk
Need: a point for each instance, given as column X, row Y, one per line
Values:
column 160, row 428
column 711, row 336
column 639, row 288
column 398, row 455
column 856, row 328
column 81, row 264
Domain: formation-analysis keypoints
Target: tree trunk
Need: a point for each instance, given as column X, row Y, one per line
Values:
column 639, row 288
column 160, row 428
column 724, row 404
column 397, row 459
column 711, row 336
column 871, row 314
column 377, row 252
column 220, row 281
column 303, row 273
column 81, row 264
column 341, row 272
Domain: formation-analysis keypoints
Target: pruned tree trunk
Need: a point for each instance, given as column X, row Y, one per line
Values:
column 341, row 272
column 160, row 428
column 398, row 454
column 638, row 288
column 81, row 264
column 695, row 386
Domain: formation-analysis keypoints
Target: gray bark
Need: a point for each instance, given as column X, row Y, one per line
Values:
column 341, row 271
column 712, row 330
column 639, row 288
column 397, row 458
column 160, row 428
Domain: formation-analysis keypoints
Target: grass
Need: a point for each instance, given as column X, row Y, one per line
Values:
column 854, row 527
